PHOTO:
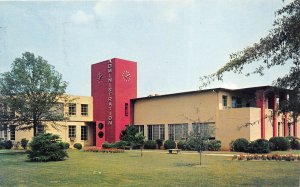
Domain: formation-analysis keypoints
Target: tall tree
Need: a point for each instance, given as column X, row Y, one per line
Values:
column 280, row 47
column 31, row 91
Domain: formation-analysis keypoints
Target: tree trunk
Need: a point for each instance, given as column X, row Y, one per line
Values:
column 34, row 129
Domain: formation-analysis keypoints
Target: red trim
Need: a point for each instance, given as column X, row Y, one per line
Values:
column 274, row 116
column 285, row 125
column 295, row 127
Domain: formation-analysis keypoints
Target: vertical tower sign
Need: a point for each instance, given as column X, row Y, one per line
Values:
column 114, row 83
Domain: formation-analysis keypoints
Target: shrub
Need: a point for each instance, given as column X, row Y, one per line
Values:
column 66, row 145
column 46, row 147
column 120, row 145
column 213, row 145
column 107, row 145
column 24, row 143
column 1, row 144
column 240, row 145
column 77, row 146
column 259, row 146
column 169, row 144
column 295, row 142
column 182, row 144
column 8, row 144
column 280, row 144
column 150, row 144
column 96, row 149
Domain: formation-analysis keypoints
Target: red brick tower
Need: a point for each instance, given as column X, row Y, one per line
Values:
column 114, row 83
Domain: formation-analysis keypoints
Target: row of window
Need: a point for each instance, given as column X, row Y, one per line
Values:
column 84, row 132
column 7, row 131
column 177, row 131
column 40, row 129
column 72, row 109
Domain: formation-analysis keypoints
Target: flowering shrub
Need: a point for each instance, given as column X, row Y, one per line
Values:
column 276, row 157
column 110, row 150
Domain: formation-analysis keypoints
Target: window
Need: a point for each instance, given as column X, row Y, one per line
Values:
column 224, row 100
column 5, row 133
column 72, row 131
column 156, row 132
column 13, row 133
column 178, row 131
column 84, row 132
column 72, row 109
column 289, row 128
column 126, row 109
column 236, row 102
column 278, row 127
column 40, row 129
column 140, row 128
column 84, row 109
column 204, row 129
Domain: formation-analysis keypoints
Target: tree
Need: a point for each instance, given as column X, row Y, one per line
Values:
column 31, row 93
column 132, row 136
column 280, row 47
column 47, row 147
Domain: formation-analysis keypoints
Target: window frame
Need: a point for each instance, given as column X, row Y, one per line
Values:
column 84, row 133
column 72, row 109
column 84, row 109
column 72, row 131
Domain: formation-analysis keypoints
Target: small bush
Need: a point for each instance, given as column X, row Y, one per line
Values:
column 107, row 145
column 279, row 144
column 111, row 150
column 120, row 145
column 8, row 144
column 295, row 142
column 240, row 145
column 24, row 143
column 182, row 144
column 77, row 146
column 1, row 144
column 213, row 145
column 150, row 144
column 259, row 146
column 66, row 145
column 169, row 144
column 46, row 147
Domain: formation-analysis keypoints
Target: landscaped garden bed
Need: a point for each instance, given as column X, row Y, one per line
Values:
column 100, row 150
column 267, row 157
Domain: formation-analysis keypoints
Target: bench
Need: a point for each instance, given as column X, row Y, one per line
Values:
column 174, row 151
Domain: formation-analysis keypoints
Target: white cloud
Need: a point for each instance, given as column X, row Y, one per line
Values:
column 81, row 17
column 103, row 7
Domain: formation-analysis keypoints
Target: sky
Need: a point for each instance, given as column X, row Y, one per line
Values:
column 173, row 42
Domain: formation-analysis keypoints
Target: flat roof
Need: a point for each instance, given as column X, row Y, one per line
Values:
column 248, row 89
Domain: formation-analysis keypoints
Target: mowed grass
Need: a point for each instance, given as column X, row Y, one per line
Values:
column 155, row 168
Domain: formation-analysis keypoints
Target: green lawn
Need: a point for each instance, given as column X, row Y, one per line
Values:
column 155, row 168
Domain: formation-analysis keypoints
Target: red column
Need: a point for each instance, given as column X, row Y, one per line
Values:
column 275, row 115
column 295, row 127
column 262, row 115
column 285, row 125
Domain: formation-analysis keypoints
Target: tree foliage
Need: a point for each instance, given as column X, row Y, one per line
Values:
column 47, row 147
column 280, row 47
column 132, row 136
column 30, row 93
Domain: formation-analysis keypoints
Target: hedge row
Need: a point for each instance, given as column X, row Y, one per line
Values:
column 209, row 145
column 265, row 146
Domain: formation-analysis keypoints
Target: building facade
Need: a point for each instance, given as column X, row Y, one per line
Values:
column 250, row 113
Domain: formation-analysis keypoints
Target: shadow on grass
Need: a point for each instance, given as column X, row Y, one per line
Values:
column 184, row 164
column 12, row 152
